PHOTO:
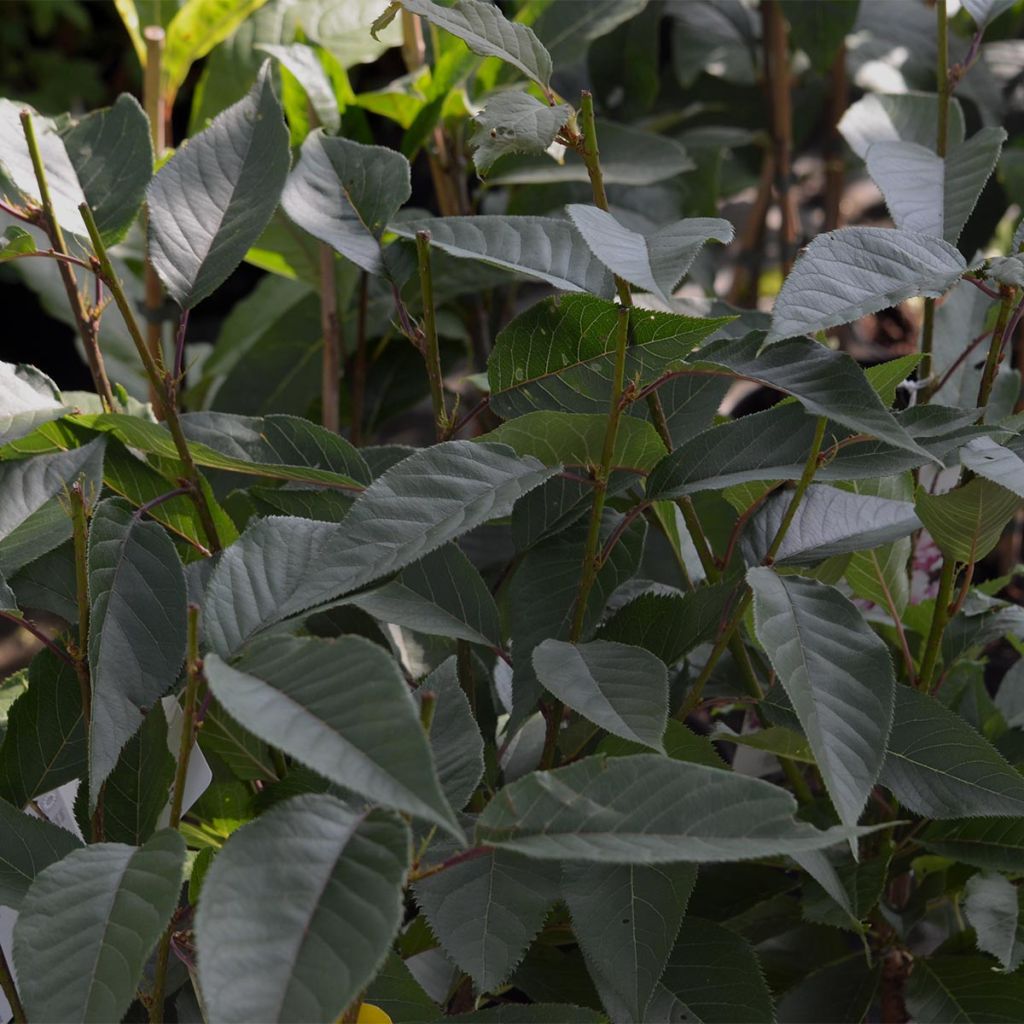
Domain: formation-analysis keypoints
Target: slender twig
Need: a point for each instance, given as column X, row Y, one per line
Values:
column 741, row 521
column 810, row 468
column 750, row 244
column 459, row 858
column 80, row 532
column 185, row 743
column 965, row 588
column 36, row 631
column 940, row 616
column 358, row 390
column 158, row 377
column 620, row 528
column 960, row 359
column 179, row 350
column 1000, row 333
column 10, row 990
column 154, row 103
column 159, row 500
column 51, row 254
column 835, row 166
column 87, row 323
column 897, row 621
column 992, row 293
column 330, row 325
column 431, row 351
column 472, row 414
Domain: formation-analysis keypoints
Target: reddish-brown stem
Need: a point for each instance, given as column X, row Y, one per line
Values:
column 358, row 390
column 153, row 101
column 330, row 325
column 31, row 627
column 459, row 858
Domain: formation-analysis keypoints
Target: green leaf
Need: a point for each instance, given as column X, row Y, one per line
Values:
column 543, row 248
column 939, row 767
column 399, row 995
column 28, row 484
column 532, row 1013
column 342, row 708
column 280, row 567
column 964, row 989
column 713, row 977
column 139, row 787
column 344, row 193
column 442, row 594
column 343, row 873
column 195, row 29
column 302, row 62
column 137, row 608
column 840, row 991
column 30, row 845
column 626, row 920
column 485, row 30
column 776, row 739
column 990, row 460
column 577, row 439
column 486, row 911
column 828, row 521
column 646, row 809
column 621, row 689
column 560, row 353
column 929, row 194
column 967, row 522
column 838, row 675
column 819, row 29
column 105, row 159
column 30, row 398
column 992, row 905
column 248, row 758
column 567, row 32
column 455, row 740
column 89, row 923
column 44, row 746
column 214, row 197
column 680, row 743
column 984, row 11
column 515, row 122
column 996, row 844
column 893, row 117
column 880, row 574
column 826, row 383
column 846, row 274
column 112, row 155
column 15, row 242
column 655, row 262
column 345, row 30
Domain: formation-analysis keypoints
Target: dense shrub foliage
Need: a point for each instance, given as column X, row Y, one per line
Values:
column 434, row 644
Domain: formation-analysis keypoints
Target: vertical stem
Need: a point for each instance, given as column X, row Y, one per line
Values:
column 835, row 169
column 431, row 353
column 941, row 141
column 358, row 393
column 10, row 990
column 87, row 323
column 940, row 617
column 995, row 349
column 79, row 527
column 153, row 101
column 776, row 59
column 194, row 669
column 810, row 468
column 330, row 325
column 743, row 290
column 158, row 377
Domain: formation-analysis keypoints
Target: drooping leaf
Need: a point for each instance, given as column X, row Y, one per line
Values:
column 544, row 248
column 930, row 194
column 984, row 11
column 89, row 923
column 137, row 612
column 44, row 746
column 846, row 274
column 827, row 383
column 455, row 739
column 838, row 675
column 30, row 845
column 577, row 439
column 29, row 399
column 993, row 844
column 967, row 522
column 442, row 594
column 344, row 193
column 343, row 872
column 963, row 988
column 342, row 708
column 828, row 521
column 486, row 911
column 896, row 117
column 938, row 766
column 301, row 61
column 626, row 920
column 280, row 567
column 620, row 688
column 514, row 122
column 992, row 906
column 713, row 976
column 485, row 30
column 214, row 197
column 654, row 262
column 28, row 484
column 559, row 354
column 646, row 809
